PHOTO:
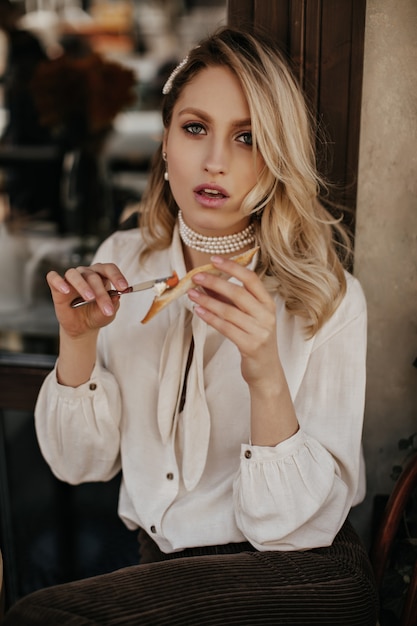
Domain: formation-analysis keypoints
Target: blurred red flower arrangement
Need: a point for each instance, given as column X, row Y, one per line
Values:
column 79, row 97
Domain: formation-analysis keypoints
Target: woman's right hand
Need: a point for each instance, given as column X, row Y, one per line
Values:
column 91, row 283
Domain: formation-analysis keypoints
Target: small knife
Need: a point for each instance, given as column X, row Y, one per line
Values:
column 170, row 281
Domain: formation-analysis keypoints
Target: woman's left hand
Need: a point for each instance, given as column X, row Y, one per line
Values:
column 244, row 313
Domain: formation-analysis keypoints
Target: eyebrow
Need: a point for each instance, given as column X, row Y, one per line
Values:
column 205, row 117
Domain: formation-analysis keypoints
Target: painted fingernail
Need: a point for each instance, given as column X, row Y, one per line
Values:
column 64, row 288
column 122, row 284
column 194, row 293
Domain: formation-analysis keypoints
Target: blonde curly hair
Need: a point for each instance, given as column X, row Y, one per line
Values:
column 303, row 248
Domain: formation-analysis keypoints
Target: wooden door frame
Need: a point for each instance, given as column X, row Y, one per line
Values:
column 324, row 42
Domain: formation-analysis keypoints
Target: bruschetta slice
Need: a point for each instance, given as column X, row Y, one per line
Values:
column 186, row 283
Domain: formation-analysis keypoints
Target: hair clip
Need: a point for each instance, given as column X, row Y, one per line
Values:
column 168, row 85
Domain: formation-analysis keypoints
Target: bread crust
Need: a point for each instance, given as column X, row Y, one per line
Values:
column 160, row 302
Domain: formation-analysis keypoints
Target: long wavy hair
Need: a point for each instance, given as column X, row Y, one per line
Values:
column 303, row 248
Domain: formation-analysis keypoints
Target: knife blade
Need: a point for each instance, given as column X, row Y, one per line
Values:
column 170, row 281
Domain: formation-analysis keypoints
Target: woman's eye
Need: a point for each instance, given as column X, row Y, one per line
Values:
column 194, row 128
column 245, row 138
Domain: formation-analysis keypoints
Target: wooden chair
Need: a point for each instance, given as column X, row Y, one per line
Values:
column 387, row 532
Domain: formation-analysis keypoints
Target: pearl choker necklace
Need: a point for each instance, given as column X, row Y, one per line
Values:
column 215, row 245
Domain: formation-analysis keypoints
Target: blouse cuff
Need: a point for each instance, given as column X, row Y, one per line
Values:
column 286, row 448
column 85, row 390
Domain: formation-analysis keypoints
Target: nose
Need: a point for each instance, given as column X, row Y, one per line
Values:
column 216, row 158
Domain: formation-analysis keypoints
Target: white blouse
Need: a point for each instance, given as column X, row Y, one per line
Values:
column 191, row 477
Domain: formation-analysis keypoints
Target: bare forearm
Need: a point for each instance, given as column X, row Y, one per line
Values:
column 77, row 357
column 273, row 415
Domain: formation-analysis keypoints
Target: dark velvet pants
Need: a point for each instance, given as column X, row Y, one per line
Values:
column 215, row 586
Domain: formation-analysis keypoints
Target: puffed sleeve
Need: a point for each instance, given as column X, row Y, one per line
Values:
column 78, row 428
column 297, row 495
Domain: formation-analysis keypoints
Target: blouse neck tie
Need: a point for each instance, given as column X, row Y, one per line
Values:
column 183, row 326
column 195, row 415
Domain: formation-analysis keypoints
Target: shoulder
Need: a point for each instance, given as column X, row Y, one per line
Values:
column 352, row 305
column 354, row 302
column 122, row 247
column 350, row 317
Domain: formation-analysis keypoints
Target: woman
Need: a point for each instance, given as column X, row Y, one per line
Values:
column 236, row 413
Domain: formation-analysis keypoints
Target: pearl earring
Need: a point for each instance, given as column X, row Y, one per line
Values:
column 166, row 175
